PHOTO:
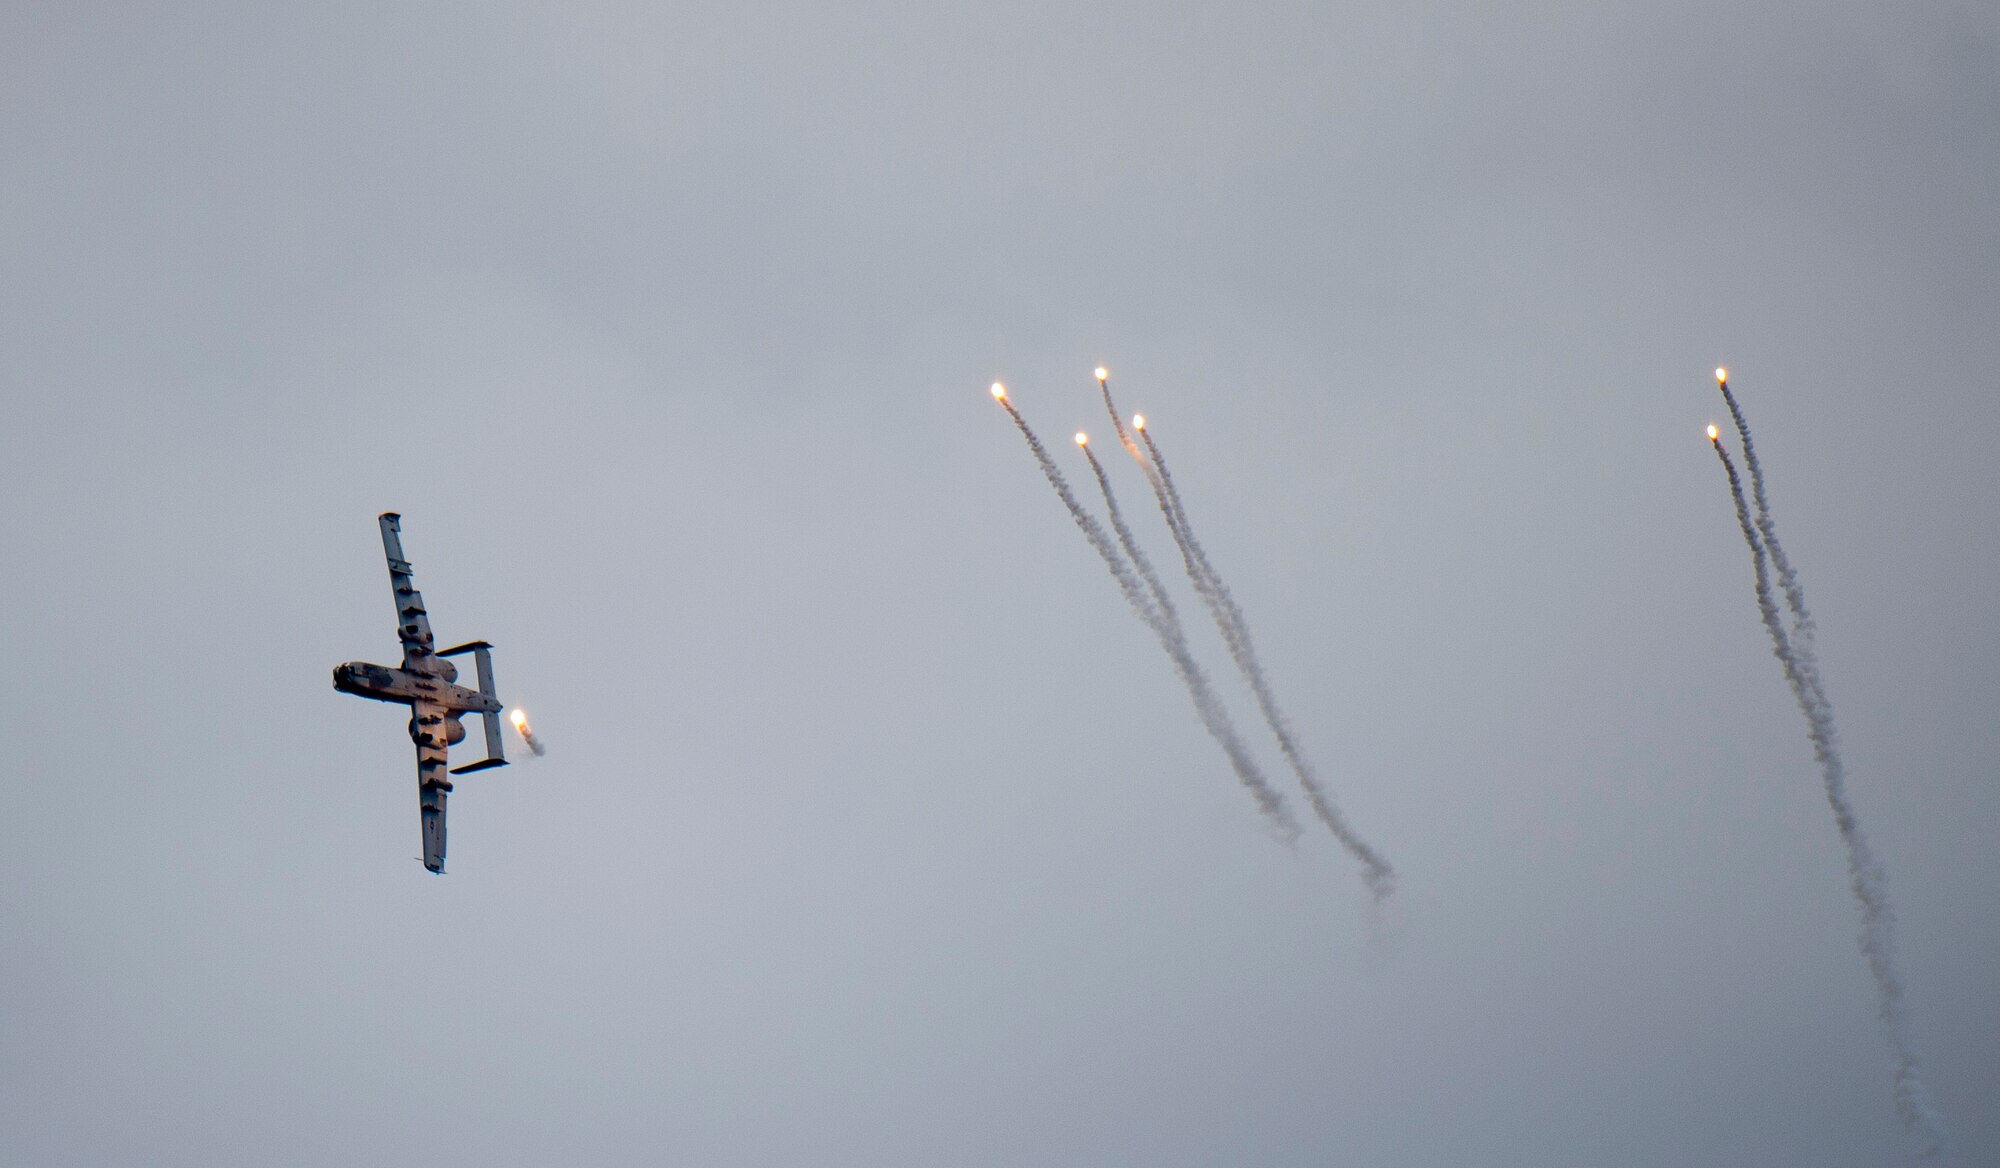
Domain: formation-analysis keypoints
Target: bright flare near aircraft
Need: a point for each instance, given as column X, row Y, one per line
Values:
column 1721, row 374
column 520, row 720
column 999, row 392
column 1082, row 439
column 1138, row 421
column 1103, row 373
column 1713, row 433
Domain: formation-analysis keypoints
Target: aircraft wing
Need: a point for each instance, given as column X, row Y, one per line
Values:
column 413, row 624
column 427, row 730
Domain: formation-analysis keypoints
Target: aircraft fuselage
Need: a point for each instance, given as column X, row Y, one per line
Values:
column 409, row 687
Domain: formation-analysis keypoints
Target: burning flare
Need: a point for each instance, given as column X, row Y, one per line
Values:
column 1102, row 373
column 1138, row 421
column 1082, row 439
column 1213, row 714
column 520, row 720
column 1721, row 374
column 1714, row 435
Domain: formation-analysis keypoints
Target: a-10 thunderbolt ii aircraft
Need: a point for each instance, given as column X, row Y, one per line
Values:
column 424, row 684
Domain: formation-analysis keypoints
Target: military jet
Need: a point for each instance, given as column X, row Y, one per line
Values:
column 425, row 684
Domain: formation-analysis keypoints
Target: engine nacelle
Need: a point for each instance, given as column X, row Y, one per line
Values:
column 452, row 729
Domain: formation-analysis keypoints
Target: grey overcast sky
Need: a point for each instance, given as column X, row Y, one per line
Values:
column 874, row 831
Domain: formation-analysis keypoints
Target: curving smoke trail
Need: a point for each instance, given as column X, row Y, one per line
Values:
column 1213, row 714
column 1803, row 629
column 1865, row 875
column 1163, row 605
column 1375, row 871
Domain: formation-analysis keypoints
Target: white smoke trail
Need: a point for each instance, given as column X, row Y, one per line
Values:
column 1375, row 871
column 1865, row 875
column 1213, row 714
